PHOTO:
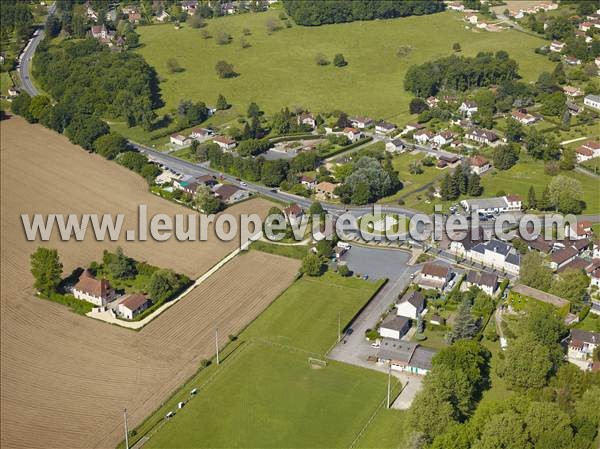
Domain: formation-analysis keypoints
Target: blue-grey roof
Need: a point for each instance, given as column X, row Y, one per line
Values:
column 498, row 246
column 514, row 259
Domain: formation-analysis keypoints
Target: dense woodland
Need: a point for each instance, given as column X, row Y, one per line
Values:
column 320, row 12
column 460, row 73
column 86, row 78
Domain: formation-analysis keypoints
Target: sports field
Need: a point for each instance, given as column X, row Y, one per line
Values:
column 279, row 69
column 265, row 394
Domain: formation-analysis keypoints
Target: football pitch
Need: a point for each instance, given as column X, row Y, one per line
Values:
column 269, row 396
column 265, row 393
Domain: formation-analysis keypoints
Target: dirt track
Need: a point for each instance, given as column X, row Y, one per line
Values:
column 65, row 378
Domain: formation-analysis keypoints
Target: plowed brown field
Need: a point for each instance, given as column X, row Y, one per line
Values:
column 65, row 378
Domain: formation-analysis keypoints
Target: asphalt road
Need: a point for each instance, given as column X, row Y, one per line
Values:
column 24, row 68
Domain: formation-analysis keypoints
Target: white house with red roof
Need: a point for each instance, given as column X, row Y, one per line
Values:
column 225, row 143
column 587, row 151
column 132, row 305
column 352, row 134
column 572, row 92
column 523, row 117
column 293, row 212
column 557, row 46
column 90, row 289
column 479, row 164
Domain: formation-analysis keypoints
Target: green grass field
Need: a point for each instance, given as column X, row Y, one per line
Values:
column 412, row 182
column 265, row 394
column 279, row 69
column 517, row 180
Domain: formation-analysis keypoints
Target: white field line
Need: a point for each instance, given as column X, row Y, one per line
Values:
column 108, row 317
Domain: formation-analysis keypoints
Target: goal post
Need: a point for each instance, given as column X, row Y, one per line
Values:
column 313, row 362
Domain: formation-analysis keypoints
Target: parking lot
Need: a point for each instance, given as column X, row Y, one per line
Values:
column 377, row 263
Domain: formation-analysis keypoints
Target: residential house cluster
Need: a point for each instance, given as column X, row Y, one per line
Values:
column 521, row 12
column 202, row 135
column 493, row 253
column 227, row 193
column 100, row 293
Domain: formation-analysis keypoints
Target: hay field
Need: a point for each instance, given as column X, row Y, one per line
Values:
column 66, row 378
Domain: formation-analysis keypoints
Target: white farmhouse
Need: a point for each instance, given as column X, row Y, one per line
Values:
column 90, row 289
column 411, row 305
column 395, row 327
column 132, row 305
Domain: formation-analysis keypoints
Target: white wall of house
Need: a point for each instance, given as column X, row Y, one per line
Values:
column 406, row 309
column 96, row 300
column 389, row 333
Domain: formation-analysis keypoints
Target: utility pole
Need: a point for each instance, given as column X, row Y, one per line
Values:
column 217, row 343
column 339, row 326
column 126, row 430
column 389, row 383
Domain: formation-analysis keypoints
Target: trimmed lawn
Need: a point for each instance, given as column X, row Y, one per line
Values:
column 517, row 180
column 590, row 323
column 279, row 69
column 389, row 429
column 412, row 182
column 270, row 397
column 593, row 164
column 306, row 315
column 265, row 394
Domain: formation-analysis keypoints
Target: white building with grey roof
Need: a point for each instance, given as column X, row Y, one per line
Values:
column 406, row 356
column 496, row 254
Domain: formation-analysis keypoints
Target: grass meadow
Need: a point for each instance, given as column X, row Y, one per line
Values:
column 516, row 180
column 265, row 394
column 279, row 69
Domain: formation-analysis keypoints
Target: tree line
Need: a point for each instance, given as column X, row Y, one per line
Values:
column 320, row 12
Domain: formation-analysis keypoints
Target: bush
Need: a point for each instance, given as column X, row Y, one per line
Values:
column 344, row 271
column 372, row 334
column 339, row 61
